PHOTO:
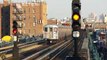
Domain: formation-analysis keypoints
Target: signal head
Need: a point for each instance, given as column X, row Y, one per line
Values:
column 14, row 27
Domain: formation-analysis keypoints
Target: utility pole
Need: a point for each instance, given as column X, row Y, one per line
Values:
column 15, row 37
column 76, row 25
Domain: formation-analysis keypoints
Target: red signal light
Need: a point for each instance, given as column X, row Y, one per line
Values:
column 14, row 31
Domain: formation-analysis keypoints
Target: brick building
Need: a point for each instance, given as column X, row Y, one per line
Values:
column 31, row 17
column 52, row 21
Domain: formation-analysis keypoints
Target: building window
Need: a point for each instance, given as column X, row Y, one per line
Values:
column 21, row 10
column 51, row 30
column 34, row 17
column 14, row 10
column 34, row 24
column 40, row 21
column 46, row 29
column 20, row 24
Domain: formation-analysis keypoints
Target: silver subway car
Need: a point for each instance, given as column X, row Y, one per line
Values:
column 51, row 33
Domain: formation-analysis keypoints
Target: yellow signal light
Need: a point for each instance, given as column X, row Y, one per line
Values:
column 76, row 17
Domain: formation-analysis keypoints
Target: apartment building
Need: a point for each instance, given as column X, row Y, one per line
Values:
column 30, row 16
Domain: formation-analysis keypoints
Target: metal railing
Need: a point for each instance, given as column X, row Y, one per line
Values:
column 93, row 49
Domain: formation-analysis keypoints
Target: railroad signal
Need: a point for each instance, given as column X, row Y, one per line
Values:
column 76, row 17
column 14, row 27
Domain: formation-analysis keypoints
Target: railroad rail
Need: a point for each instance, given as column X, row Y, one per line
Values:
column 67, row 51
column 21, row 47
column 24, row 54
column 55, row 52
column 10, row 47
column 46, row 52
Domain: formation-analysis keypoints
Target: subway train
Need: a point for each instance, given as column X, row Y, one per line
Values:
column 53, row 33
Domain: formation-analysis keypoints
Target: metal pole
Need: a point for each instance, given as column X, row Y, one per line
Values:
column 16, row 49
column 75, row 47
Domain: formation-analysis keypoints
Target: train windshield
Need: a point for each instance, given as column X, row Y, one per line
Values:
column 51, row 30
column 46, row 29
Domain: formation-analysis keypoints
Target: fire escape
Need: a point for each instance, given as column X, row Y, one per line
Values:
column 18, row 11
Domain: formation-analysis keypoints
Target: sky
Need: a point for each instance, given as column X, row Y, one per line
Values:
column 62, row 8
